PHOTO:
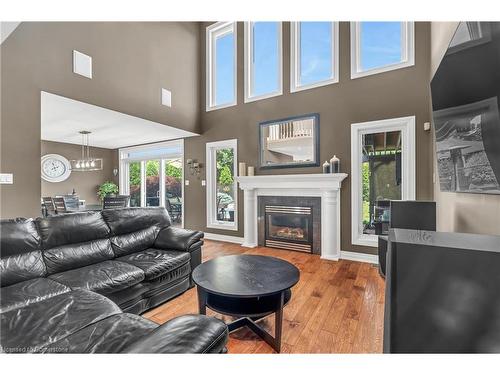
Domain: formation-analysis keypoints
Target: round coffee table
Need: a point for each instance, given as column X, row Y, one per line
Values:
column 248, row 287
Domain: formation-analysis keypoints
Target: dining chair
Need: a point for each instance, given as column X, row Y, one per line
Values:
column 174, row 208
column 60, row 205
column 48, row 204
column 119, row 201
column 72, row 202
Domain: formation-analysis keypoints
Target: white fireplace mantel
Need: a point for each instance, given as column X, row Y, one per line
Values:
column 326, row 186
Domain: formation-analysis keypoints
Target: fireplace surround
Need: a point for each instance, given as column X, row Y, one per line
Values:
column 292, row 223
column 324, row 186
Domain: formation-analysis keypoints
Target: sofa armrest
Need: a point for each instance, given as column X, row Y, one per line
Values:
column 172, row 238
column 184, row 334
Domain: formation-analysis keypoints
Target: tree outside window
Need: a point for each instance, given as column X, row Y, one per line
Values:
column 225, row 184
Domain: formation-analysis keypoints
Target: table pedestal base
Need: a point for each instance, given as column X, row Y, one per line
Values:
column 274, row 342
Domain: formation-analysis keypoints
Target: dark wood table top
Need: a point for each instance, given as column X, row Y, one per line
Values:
column 88, row 207
column 246, row 275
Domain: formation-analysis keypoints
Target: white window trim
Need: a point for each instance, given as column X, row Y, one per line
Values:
column 408, row 53
column 124, row 171
column 213, row 31
column 407, row 127
column 295, row 59
column 249, row 67
column 211, row 148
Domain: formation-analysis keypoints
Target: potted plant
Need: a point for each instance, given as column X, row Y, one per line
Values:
column 108, row 188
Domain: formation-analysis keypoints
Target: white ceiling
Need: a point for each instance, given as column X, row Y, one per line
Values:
column 6, row 28
column 63, row 118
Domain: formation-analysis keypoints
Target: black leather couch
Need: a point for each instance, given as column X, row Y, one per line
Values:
column 73, row 282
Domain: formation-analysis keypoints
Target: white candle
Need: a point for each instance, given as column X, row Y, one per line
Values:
column 242, row 170
column 251, row 171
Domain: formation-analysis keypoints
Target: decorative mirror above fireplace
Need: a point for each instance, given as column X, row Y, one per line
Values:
column 289, row 142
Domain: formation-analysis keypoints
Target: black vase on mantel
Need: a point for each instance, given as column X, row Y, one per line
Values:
column 326, row 167
column 335, row 164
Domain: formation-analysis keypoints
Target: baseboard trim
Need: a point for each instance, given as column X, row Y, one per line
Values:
column 224, row 238
column 329, row 257
column 347, row 255
column 359, row 257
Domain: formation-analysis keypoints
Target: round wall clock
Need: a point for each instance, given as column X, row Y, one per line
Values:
column 55, row 168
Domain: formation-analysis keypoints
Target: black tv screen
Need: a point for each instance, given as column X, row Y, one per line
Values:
column 442, row 293
column 465, row 101
column 413, row 215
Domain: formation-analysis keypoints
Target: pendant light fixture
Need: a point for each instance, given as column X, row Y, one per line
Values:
column 86, row 163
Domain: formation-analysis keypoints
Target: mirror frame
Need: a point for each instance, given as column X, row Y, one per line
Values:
column 314, row 163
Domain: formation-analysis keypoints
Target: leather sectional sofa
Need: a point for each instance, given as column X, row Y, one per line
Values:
column 74, row 282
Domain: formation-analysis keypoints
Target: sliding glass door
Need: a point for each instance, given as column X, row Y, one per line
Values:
column 134, row 183
column 173, row 188
column 153, row 183
column 153, row 177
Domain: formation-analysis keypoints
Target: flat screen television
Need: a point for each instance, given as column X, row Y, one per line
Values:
column 465, row 100
column 413, row 215
column 442, row 293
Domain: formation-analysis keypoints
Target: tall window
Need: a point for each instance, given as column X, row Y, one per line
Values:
column 383, row 169
column 153, row 176
column 221, row 65
column 314, row 52
column 378, row 47
column 222, row 194
column 263, row 60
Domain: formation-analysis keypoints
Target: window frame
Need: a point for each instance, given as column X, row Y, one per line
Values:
column 211, row 180
column 212, row 32
column 124, row 161
column 295, row 85
column 408, row 174
column 249, row 67
column 408, row 51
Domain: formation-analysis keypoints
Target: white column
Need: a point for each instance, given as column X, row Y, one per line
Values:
column 250, row 222
column 330, row 235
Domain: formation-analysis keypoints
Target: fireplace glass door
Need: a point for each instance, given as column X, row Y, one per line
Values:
column 289, row 227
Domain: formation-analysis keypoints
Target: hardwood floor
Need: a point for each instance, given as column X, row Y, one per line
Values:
column 337, row 307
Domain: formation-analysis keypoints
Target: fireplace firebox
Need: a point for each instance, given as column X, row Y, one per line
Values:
column 289, row 227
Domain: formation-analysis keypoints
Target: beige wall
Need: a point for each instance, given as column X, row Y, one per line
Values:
column 85, row 183
column 131, row 62
column 460, row 212
column 402, row 92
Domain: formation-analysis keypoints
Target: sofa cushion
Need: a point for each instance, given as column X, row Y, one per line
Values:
column 135, row 229
column 156, row 263
column 20, row 254
column 67, row 257
column 19, row 236
column 28, row 292
column 180, row 239
column 128, row 220
column 105, row 277
column 135, row 241
column 127, row 296
column 184, row 334
column 21, row 267
column 71, row 228
column 35, row 326
column 110, row 335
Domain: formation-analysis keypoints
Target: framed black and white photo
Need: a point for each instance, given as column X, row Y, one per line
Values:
column 466, row 156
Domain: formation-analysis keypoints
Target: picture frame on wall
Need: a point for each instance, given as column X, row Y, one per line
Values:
column 289, row 142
